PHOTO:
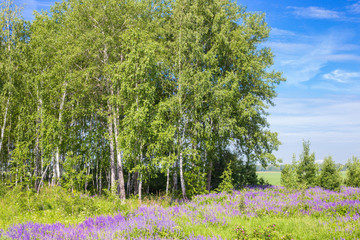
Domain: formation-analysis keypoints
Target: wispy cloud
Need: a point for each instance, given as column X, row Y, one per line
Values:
column 302, row 60
column 355, row 8
column 341, row 76
column 281, row 32
column 316, row 12
column 303, row 57
column 45, row 4
column 330, row 123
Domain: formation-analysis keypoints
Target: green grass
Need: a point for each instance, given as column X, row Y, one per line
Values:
column 274, row 177
column 299, row 227
column 59, row 205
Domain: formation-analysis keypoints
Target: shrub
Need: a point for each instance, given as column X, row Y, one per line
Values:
column 329, row 177
column 307, row 169
column 269, row 232
column 288, row 176
column 353, row 172
column 226, row 184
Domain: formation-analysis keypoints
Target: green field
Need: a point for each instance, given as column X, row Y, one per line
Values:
column 274, row 177
column 253, row 213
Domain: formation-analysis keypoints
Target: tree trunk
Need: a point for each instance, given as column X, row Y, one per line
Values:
column 140, row 187
column 42, row 178
column 112, row 160
column 57, row 155
column 209, row 176
column 128, row 183
column 4, row 123
column 175, row 177
column 37, row 163
column 167, row 181
column 182, row 182
column 135, row 182
column 119, row 160
column 87, row 173
column 53, row 179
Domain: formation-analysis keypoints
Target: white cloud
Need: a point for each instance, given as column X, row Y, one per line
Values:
column 330, row 123
column 355, row 8
column 281, row 32
column 343, row 57
column 341, row 76
column 302, row 60
column 303, row 57
column 316, row 12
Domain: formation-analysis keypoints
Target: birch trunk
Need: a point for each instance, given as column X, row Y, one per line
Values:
column 37, row 170
column 57, row 155
column 112, row 158
column 182, row 182
column 4, row 123
column 175, row 177
column 140, row 187
column 119, row 159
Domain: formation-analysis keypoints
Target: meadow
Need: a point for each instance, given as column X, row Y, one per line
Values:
column 273, row 177
column 266, row 212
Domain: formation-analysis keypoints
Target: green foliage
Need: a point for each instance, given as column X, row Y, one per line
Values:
column 74, row 177
column 56, row 204
column 329, row 177
column 269, row 232
column 288, row 177
column 226, row 184
column 195, row 184
column 94, row 89
column 353, row 172
column 307, row 169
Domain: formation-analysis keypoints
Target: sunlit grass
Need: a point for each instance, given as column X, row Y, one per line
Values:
column 307, row 214
column 274, row 177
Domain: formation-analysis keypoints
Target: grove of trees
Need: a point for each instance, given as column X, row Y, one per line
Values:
column 133, row 95
column 306, row 173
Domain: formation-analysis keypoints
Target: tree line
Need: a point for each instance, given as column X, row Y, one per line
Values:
column 304, row 173
column 124, row 95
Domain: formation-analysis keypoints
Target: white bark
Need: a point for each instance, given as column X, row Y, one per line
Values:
column 119, row 159
column 57, row 155
column 112, row 160
column 140, row 187
column 4, row 123
column 182, row 182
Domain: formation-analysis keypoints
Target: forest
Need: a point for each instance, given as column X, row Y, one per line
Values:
column 134, row 96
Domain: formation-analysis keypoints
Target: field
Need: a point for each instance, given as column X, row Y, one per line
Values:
column 274, row 177
column 253, row 213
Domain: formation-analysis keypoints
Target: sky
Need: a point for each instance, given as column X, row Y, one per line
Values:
column 317, row 47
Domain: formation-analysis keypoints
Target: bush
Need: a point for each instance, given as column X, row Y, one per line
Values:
column 226, row 184
column 330, row 176
column 269, row 232
column 353, row 172
column 288, row 176
column 307, row 169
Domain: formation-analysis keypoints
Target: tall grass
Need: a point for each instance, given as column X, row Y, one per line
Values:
column 291, row 214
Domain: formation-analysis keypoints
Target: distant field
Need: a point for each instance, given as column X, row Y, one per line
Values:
column 274, row 177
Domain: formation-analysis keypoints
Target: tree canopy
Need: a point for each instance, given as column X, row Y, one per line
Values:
column 114, row 94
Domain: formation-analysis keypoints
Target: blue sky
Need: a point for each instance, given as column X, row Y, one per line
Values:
column 317, row 47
